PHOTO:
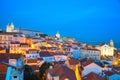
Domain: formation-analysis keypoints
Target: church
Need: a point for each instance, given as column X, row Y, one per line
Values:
column 107, row 49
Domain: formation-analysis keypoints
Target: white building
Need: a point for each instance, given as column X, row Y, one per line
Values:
column 107, row 50
column 32, row 54
column 90, row 66
column 47, row 56
column 10, row 28
column 93, row 54
column 60, row 57
column 58, row 35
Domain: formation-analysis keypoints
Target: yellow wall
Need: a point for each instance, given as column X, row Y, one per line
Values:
column 2, row 51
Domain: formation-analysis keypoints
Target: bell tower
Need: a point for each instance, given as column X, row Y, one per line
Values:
column 10, row 28
column 111, row 43
column 58, row 35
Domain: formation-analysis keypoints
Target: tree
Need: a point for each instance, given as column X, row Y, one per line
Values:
column 42, row 70
column 115, row 53
column 27, row 72
column 34, row 77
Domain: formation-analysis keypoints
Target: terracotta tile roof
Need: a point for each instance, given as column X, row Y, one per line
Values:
column 32, row 49
column 43, row 47
column 40, row 59
column 85, row 62
column 62, row 71
column 45, row 54
column 93, row 49
column 92, row 76
column 31, row 60
column 24, row 44
column 16, row 42
column 6, row 57
column 109, row 73
column 59, row 62
column 116, row 70
column 3, row 70
column 3, row 67
column 74, row 62
column 2, row 48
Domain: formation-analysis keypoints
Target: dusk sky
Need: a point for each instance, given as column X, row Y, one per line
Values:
column 86, row 20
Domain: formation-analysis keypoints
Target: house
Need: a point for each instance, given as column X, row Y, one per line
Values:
column 7, row 37
column 116, row 69
column 71, row 63
column 19, row 37
column 10, row 64
column 32, row 54
column 59, row 57
column 19, row 48
column 92, row 76
column 111, row 75
column 47, row 56
column 91, row 53
column 89, row 66
column 2, row 50
column 60, row 72
column 75, row 53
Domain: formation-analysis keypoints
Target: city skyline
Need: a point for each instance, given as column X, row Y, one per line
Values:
column 85, row 20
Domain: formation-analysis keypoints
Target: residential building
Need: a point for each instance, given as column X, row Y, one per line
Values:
column 60, row 72
column 93, row 54
column 92, row 76
column 89, row 66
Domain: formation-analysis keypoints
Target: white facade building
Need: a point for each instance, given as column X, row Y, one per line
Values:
column 106, row 50
column 10, row 28
column 93, row 54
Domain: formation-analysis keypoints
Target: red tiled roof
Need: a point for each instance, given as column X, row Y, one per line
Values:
column 92, row 76
column 1, row 48
column 31, row 60
column 93, row 49
column 86, row 62
column 24, row 44
column 3, row 67
column 45, row 54
column 59, row 62
column 16, row 42
column 73, row 62
column 62, row 71
column 109, row 73
column 6, row 57
column 40, row 59
column 32, row 49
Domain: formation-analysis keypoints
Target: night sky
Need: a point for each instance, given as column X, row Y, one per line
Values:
column 86, row 20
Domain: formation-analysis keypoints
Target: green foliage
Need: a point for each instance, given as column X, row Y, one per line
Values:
column 115, row 53
column 43, row 35
column 42, row 70
column 34, row 77
column 28, row 73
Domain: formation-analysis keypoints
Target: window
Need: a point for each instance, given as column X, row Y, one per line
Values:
column 15, row 76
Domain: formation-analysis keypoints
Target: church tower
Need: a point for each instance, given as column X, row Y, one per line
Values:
column 10, row 28
column 111, row 43
column 58, row 35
